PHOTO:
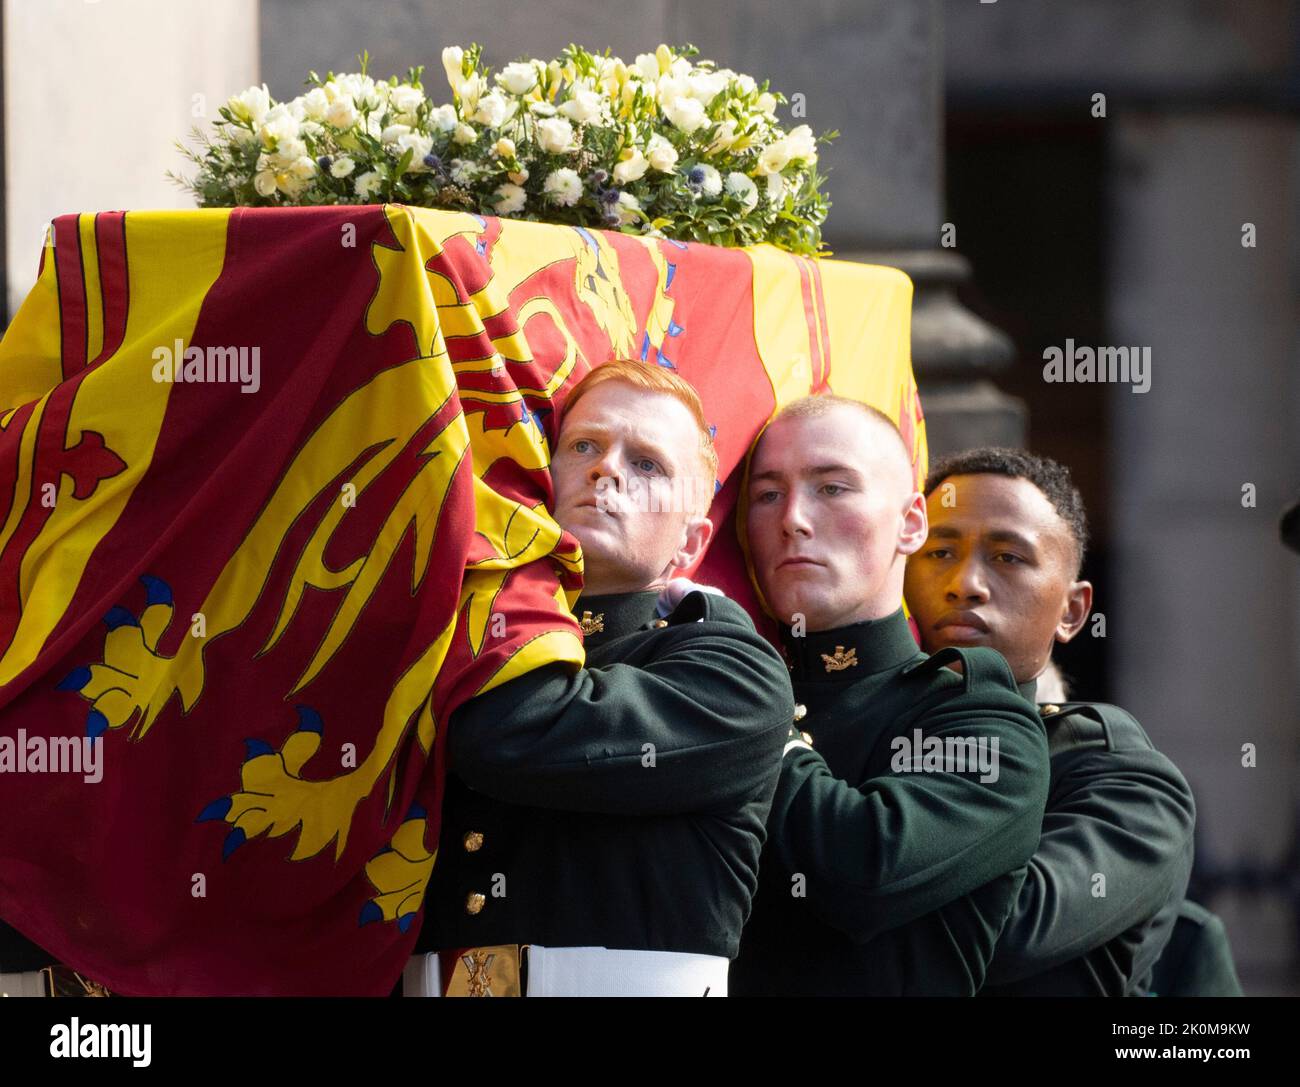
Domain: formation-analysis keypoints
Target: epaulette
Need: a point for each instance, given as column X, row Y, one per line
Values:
column 978, row 664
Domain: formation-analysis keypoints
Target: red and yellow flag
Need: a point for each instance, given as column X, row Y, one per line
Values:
column 277, row 502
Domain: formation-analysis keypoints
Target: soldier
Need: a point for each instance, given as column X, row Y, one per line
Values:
column 1001, row 569
column 609, row 819
column 902, row 824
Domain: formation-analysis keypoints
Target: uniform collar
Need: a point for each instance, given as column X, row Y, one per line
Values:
column 612, row 615
column 849, row 652
column 1029, row 690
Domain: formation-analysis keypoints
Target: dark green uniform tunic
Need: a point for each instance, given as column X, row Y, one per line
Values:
column 1197, row 961
column 582, row 834
column 876, row 881
column 1119, row 809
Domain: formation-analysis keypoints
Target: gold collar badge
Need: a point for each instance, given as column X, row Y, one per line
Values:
column 840, row 660
column 590, row 625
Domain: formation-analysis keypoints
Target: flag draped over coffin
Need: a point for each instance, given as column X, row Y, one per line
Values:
column 275, row 487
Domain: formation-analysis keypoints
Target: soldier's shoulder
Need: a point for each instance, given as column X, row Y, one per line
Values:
column 1096, row 724
column 981, row 667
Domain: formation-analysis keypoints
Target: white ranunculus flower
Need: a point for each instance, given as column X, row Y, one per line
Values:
column 631, row 167
column 367, row 184
column 251, row 106
column 492, row 110
column 442, row 118
column 739, row 185
column 512, row 199
column 406, row 100
column 627, row 207
column 341, row 113
column 342, row 166
column 555, row 135
column 419, row 144
column 711, row 184
column 775, row 188
column 802, row 144
column 519, row 77
column 264, row 182
column 773, row 158
column 563, row 186
column 464, row 134
column 315, row 104
column 393, row 133
column 504, row 148
column 686, row 114
column 662, row 154
column 583, row 106
column 648, row 65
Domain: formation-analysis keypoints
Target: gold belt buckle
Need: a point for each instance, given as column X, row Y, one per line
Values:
column 487, row 971
column 64, row 981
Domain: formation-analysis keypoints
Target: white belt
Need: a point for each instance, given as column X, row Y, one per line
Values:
column 595, row 971
column 27, row 983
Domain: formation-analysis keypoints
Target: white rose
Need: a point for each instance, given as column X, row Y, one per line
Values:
column 342, row 166
column 464, row 134
column 442, row 118
column 775, row 188
column 583, row 107
column 367, row 184
column 563, row 186
column 341, row 113
column 512, row 199
column 406, row 99
column 773, row 158
column 504, row 148
column 663, row 155
column 393, row 133
column 492, row 110
column 264, row 182
column 555, row 135
column 741, row 186
column 686, row 114
column 518, row 78
column 802, row 144
column 315, row 104
column 419, row 144
column 632, row 167
column 251, row 106
column 628, row 206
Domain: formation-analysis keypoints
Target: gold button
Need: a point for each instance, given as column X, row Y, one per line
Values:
column 474, row 903
column 807, row 738
column 473, row 841
column 659, row 623
column 1048, row 710
column 800, row 711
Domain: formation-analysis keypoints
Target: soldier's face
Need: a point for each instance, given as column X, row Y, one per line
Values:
column 997, row 570
column 628, row 484
column 831, row 513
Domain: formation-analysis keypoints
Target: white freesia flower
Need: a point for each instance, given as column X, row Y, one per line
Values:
column 315, row 104
column 555, row 135
column 648, row 65
column 745, row 84
column 452, row 57
column 662, row 154
column 686, row 114
column 724, row 138
column 773, row 158
column 341, row 113
column 464, row 134
column 406, row 100
column 367, row 184
column 243, row 136
column 775, row 188
column 706, row 86
column 512, row 199
column 767, row 104
column 802, row 144
column 251, row 106
column 492, row 110
column 563, row 186
column 279, row 124
column 741, row 186
column 393, row 133
column 519, row 77
column 627, row 207
column 264, row 182
column 442, row 118
column 312, row 129
column 541, row 109
column 583, row 106
column 711, row 184
column 631, row 167
column 303, row 167
column 504, row 148
column 342, row 166
column 296, row 109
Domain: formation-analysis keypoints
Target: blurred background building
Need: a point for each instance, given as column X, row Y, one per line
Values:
column 1044, row 169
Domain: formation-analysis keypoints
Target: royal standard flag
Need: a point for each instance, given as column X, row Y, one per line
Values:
column 275, row 503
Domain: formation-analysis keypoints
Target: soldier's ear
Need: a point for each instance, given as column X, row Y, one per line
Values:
column 1078, row 606
column 695, row 538
column 915, row 526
